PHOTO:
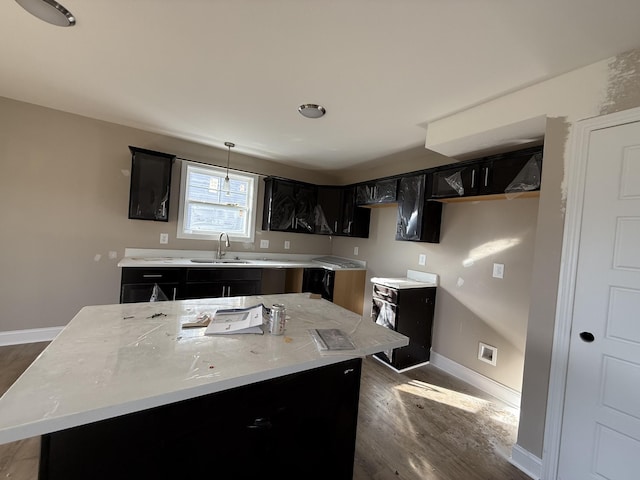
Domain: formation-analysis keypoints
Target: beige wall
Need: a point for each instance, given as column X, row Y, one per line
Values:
column 605, row 87
column 471, row 306
column 65, row 202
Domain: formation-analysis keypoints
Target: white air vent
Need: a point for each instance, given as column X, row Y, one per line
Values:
column 487, row 353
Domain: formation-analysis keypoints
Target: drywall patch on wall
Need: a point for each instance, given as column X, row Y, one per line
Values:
column 623, row 86
column 558, row 131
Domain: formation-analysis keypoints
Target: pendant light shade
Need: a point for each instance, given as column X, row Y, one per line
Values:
column 226, row 186
column 49, row 11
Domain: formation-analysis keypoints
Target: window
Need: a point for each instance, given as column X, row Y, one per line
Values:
column 206, row 210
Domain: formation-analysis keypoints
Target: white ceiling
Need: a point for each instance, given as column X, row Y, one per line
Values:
column 212, row 71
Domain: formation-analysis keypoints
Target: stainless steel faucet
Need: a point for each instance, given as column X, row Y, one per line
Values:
column 226, row 244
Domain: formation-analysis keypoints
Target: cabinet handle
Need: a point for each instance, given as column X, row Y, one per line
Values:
column 473, row 178
column 224, row 290
column 335, row 226
column 228, row 290
column 260, row 424
column 174, row 293
column 486, row 176
column 149, row 275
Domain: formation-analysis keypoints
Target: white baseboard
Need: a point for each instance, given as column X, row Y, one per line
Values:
column 33, row 335
column 508, row 395
column 526, row 461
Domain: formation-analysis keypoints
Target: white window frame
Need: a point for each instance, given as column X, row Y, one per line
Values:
column 252, row 202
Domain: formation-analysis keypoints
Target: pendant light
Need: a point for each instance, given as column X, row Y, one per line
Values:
column 226, row 186
column 49, row 11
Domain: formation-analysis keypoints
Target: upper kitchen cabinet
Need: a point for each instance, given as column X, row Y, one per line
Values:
column 289, row 206
column 355, row 220
column 377, row 192
column 337, row 213
column 456, row 181
column 150, row 184
column 514, row 173
column 418, row 218
column 511, row 173
column 328, row 219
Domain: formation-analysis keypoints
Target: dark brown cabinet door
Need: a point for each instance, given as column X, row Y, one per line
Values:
column 289, row 206
column 354, row 220
column 377, row 192
column 329, row 210
column 150, row 184
column 511, row 173
column 458, row 181
column 279, row 205
column 418, row 219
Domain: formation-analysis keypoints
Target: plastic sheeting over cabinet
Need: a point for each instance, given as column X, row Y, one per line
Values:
column 418, row 218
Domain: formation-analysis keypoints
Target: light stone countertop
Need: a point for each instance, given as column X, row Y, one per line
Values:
column 185, row 258
column 414, row 279
column 111, row 360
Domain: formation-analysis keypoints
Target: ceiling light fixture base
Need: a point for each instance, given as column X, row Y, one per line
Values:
column 311, row 110
column 49, row 11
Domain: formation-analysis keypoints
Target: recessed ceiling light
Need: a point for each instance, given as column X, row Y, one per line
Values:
column 311, row 110
column 50, row 11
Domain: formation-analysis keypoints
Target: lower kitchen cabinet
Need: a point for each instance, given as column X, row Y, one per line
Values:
column 137, row 283
column 222, row 282
column 409, row 312
column 184, row 283
column 301, row 425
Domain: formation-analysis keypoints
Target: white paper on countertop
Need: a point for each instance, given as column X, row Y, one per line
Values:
column 237, row 320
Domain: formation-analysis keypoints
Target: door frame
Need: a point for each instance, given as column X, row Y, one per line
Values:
column 576, row 176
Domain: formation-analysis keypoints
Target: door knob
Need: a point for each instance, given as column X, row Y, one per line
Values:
column 587, row 337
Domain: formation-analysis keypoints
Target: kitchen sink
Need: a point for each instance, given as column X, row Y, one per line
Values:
column 222, row 260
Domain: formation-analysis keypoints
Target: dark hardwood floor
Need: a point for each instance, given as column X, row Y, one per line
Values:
column 423, row 424
column 18, row 460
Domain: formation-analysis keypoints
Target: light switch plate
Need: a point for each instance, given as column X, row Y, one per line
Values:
column 164, row 238
column 264, row 243
column 355, row 251
column 422, row 259
column 287, row 244
column 498, row 270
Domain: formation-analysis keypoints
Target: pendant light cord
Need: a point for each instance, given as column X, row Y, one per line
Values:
column 226, row 184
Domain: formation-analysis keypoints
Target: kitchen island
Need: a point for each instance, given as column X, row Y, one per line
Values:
column 123, row 392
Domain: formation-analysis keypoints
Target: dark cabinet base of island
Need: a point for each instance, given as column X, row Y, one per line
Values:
column 296, row 426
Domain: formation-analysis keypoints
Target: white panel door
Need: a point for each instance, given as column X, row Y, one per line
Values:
column 601, row 423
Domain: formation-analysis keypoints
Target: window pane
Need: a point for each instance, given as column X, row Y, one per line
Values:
column 207, row 187
column 206, row 209
column 215, row 218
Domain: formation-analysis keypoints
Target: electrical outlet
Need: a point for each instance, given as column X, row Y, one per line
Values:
column 287, row 244
column 422, row 259
column 264, row 243
column 498, row 270
column 164, row 238
column 355, row 251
